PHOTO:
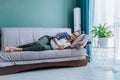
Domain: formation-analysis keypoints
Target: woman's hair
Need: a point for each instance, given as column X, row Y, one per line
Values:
column 76, row 34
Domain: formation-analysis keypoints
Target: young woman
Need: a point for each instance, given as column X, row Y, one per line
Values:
column 66, row 41
column 62, row 41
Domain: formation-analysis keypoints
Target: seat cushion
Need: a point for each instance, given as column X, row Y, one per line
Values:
column 39, row 55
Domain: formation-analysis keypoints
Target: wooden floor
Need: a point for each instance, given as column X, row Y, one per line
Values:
column 89, row 72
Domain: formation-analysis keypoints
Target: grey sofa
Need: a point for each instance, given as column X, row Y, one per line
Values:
column 12, row 62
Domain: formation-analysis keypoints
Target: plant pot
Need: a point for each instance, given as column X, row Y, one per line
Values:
column 103, row 42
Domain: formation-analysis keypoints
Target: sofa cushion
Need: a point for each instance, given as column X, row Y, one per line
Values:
column 39, row 55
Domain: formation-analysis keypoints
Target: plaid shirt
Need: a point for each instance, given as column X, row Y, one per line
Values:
column 63, row 35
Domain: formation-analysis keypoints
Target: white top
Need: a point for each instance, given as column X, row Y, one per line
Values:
column 61, row 42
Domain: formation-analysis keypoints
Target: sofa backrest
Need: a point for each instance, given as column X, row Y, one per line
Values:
column 20, row 36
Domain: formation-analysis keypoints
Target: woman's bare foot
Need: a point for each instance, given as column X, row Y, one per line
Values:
column 6, row 49
column 11, row 49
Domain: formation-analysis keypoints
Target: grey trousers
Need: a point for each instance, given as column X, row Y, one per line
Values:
column 42, row 44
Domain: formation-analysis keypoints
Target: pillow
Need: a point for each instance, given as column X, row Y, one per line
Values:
column 83, row 38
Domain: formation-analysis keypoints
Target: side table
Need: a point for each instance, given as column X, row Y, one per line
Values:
column 102, row 57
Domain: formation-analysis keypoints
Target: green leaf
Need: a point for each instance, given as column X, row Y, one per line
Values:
column 101, row 31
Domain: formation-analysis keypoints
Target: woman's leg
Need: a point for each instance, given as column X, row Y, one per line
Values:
column 31, row 48
column 27, row 45
column 44, row 40
column 18, row 48
column 37, row 48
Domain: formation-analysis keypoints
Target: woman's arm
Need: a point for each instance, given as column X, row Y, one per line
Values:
column 61, row 47
column 80, row 43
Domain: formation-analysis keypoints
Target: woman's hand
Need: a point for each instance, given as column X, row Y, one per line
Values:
column 61, row 47
column 81, row 43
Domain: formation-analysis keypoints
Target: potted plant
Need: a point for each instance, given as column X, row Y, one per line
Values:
column 102, row 32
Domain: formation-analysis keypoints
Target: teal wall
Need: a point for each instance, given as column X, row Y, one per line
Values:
column 36, row 13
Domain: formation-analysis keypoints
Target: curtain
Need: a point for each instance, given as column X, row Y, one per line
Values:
column 107, row 12
column 91, row 14
column 116, row 62
column 84, row 5
column 91, row 22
